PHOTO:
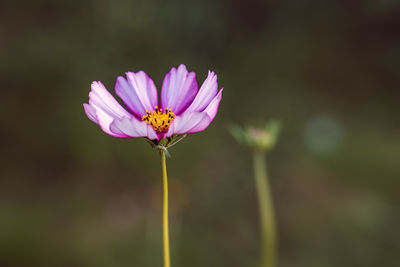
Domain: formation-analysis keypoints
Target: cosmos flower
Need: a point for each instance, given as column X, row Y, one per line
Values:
column 183, row 108
column 261, row 137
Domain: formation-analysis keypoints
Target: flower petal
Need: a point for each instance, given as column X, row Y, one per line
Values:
column 212, row 108
column 144, row 87
column 189, row 122
column 132, row 127
column 138, row 92
column 99, row 96
column 91, row 113
column 103, row 108
column 207, row 92
column 178, row 90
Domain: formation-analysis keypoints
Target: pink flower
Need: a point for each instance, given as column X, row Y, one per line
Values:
column 183, row 109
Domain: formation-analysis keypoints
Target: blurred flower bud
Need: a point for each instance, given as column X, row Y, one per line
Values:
column 261, row 138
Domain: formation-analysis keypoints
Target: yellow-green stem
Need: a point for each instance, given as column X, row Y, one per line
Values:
column 167, row 261
column 266, row 209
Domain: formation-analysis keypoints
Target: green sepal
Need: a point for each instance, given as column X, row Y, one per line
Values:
column 150, row 142
column 166, row 143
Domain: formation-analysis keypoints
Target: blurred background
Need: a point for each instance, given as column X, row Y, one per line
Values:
column 72, row 196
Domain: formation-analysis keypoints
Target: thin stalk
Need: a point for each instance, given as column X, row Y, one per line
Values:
column 167, row 261
column 266, row 209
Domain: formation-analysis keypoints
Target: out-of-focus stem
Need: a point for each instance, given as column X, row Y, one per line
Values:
column 266, row 209
column 167, row 261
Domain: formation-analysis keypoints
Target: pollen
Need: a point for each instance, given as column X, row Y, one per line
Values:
column 158, row 119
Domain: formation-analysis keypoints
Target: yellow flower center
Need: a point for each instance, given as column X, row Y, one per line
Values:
column 158, row 119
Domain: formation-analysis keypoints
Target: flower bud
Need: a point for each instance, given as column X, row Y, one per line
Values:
column 259, row 138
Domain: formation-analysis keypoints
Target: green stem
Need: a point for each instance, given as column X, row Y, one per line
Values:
column 266, row 209
column 167, row 261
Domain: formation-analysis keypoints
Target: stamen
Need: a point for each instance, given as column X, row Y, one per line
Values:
column 158, row 119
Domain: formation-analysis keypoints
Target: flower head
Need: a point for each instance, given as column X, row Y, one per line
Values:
column 259, row 138
column 183, row 108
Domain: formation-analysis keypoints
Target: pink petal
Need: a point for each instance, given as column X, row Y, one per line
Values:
column 99, row 96
column 132, row 127
column 91, row 113
column 103, row 108
column 206, row 93
column 212, row 108
column 105, row 122
column 189, row 122
column 178, row 90
column 145, row 88
column 138, row 92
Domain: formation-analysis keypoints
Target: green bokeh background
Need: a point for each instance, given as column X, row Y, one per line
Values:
column 72, row 196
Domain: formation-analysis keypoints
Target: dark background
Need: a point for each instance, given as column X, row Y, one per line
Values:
column 72, row 196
